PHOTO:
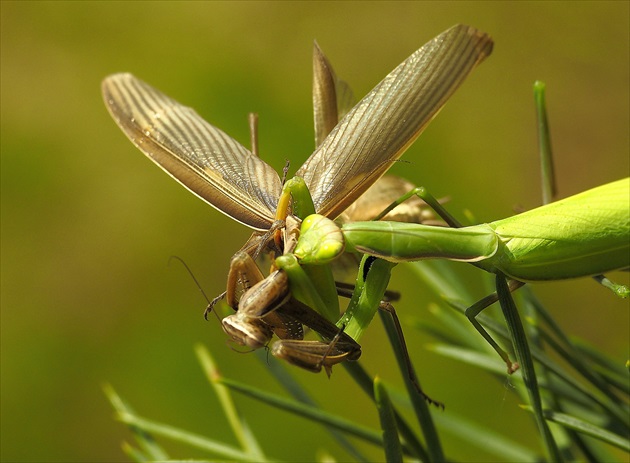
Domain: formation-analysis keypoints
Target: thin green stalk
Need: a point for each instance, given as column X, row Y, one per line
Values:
column 393, row 451
column 150, row 450
column 299, row 393
column 363, row 379
column 420, row 406
column 524, row 357
column 239, row 427
column 189, row 438
column 309, row 412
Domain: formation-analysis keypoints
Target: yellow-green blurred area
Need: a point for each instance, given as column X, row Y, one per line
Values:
column 88, row 223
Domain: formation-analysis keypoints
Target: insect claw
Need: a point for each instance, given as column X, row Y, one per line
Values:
column 513, row 367
column 210, row 306
column 622, row 291
column 434, row 402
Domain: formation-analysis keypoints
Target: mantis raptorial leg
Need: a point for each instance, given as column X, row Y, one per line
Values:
column 367, row 298
column 266, row 308
column 372, row 281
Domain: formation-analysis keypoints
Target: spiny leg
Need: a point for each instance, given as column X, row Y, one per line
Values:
column 315, row 355
column 212, row 303
column 371, row 284
column 344, row 346
column 337, row 346
column 252, row 119
column 476, row 308
column 423, row 193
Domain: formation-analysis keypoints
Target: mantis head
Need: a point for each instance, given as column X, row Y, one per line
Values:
column 321, row 240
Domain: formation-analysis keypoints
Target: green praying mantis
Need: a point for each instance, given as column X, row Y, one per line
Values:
column 352, row 153
column 234, row 180
column 584, row 235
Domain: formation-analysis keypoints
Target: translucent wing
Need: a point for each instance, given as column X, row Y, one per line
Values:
column 332, row 97
column 208, row 162
column 324, row 96
column 384, row 192
column 367, row 141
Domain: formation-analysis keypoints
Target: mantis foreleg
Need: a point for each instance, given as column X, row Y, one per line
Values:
column 372, row 281
column 265, row 307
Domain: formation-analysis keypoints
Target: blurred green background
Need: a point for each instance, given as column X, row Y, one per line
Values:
column 88, row 223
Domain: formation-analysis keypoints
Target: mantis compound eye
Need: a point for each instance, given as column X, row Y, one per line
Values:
column 321, row 240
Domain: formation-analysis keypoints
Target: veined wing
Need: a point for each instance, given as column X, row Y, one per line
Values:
column 332, row 97
column 204, row 159
column 369, row 139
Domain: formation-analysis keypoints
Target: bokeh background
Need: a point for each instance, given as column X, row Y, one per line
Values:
column 88, row 223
